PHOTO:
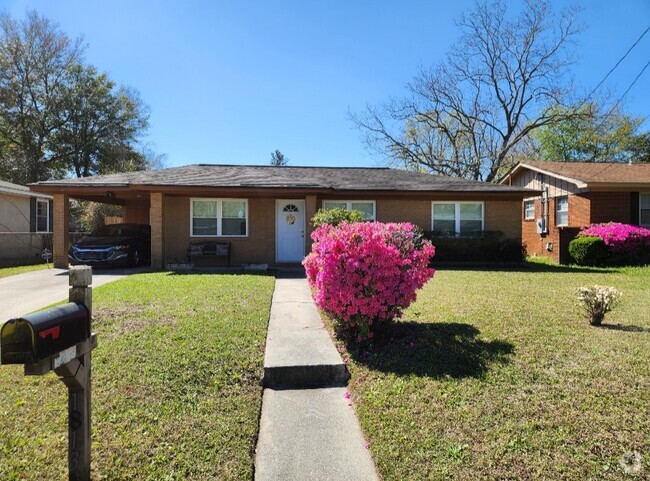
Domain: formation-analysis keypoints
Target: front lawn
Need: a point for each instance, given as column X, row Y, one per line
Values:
column 12, row 271
column 496, row 375
column 176, row 384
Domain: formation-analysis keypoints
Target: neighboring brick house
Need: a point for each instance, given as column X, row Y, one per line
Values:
column 575, row 194
column 25, row 224
column 264, row 211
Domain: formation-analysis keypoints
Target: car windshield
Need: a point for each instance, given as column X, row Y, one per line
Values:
column 117, row 230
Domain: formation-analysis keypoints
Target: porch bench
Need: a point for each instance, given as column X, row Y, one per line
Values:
column 208, row 249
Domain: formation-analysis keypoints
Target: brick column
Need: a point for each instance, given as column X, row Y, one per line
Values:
column 156, row 212
column 310, row 210
column 61, row 230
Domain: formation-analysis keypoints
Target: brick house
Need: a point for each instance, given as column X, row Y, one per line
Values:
column 25, row 224
column 264, row 211
column 574, row 194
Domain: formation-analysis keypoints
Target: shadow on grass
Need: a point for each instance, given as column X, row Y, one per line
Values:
column 435, row 350
column 620, row 327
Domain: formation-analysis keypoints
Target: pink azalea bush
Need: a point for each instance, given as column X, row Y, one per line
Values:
column 364, row 274
column 629, row 243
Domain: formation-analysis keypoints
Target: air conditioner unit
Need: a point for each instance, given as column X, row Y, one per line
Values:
column 541, row 226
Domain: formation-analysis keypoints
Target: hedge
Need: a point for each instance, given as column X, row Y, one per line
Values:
column 484, row 247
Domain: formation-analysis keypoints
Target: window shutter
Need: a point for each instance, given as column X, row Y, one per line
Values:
column 32, row 214
column 50, row 212
column 634, row 204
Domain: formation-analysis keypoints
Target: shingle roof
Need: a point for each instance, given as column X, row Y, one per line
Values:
column 260, row 176
column 596, row 172
column 17, row 189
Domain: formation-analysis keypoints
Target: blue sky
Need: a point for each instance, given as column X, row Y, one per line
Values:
column 229, row 82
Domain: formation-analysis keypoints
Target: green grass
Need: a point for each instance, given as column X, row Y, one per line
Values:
column 497, row 375
column 12, row 271
column 176, row 385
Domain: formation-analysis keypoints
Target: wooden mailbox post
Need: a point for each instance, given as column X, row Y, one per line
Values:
column 30, row 341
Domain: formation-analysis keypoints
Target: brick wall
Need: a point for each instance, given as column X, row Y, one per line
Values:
column 611, row 207
column 504, row 216
column 61, row 220
column 579, row 210
column 136, row 212
column 156, row 220
column 257, row 248
column 501, row 215
column 535, row 243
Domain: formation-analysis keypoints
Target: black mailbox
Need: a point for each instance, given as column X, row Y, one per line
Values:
column 35, row 337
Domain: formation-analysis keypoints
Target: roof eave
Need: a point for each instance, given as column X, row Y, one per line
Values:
column 581, row 184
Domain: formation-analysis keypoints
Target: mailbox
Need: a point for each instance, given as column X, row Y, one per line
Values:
column 35, row 337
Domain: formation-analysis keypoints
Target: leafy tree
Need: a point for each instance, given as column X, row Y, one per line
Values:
column 278, row 159
column 466, row 116
column 35, row 61
column 59, row 116
column 99, row 125
column 592, row 136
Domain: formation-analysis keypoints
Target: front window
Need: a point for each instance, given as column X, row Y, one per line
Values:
column 457, row 218
column 219, row 218
column 529, row 209
column 367, row 207
column 42, row 215
column 644, row 210
column 562, row 211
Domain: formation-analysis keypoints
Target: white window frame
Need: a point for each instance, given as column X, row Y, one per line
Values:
column 557, row 210
column 641, row 194
column 532, row 201
column 349, row 203
column 457, row 204
column 219, row 202
column 47, row 215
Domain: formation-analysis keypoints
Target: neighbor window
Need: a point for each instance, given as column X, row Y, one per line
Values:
column 457, row 217
column 562, row 211
column 365, row 206
column 219, row 218
column 42, row 215
column 644, row 210
column 529, row 209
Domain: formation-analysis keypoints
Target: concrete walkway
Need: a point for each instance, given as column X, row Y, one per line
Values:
column 31, row 291
column 308, row 429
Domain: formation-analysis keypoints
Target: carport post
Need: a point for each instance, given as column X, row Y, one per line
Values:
column 156, row 216
column 60, row 230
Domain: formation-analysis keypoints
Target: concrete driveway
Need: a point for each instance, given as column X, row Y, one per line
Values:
column 31, row 291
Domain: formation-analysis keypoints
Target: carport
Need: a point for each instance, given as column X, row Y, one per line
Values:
column 140, row 207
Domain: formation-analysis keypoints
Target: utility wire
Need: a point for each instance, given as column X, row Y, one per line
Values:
column 612, row 69
column 622, row 96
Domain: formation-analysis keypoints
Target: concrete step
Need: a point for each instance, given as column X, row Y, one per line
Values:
column 311, row 434
column 299, row 351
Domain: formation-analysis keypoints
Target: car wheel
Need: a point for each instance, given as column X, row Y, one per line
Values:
column 135, row 258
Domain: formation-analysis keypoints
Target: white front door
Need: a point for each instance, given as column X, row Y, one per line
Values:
column 290, row 230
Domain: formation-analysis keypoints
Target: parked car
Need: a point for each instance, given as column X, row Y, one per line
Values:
column 114, row 244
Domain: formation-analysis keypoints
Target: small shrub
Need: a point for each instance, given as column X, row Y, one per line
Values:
column 626, row 244
column 588, row 251
column 335, row 217
column 364, row 274
column 598, row 301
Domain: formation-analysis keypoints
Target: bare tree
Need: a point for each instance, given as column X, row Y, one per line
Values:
column 465, row 116
column 278, row 159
